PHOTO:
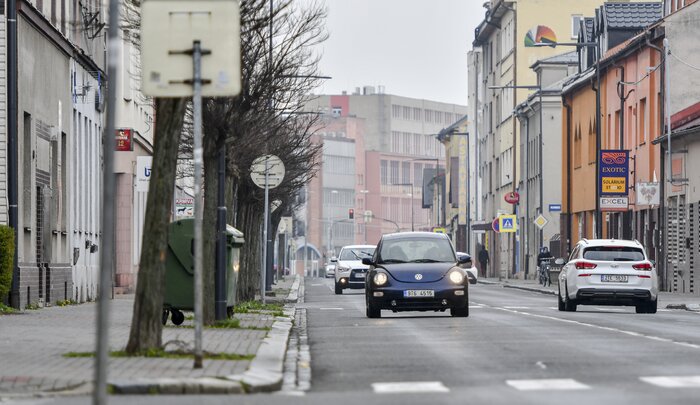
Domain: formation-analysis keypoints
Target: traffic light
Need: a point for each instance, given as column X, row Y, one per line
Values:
column 351, row 213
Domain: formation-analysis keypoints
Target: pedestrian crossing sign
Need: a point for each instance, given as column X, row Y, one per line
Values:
column 507, row 223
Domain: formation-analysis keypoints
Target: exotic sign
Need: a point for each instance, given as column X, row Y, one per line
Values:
column 614, row 172
column 613, row 180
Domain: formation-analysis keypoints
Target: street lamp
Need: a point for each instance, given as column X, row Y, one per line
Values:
column 408, row 184
column 364, row 209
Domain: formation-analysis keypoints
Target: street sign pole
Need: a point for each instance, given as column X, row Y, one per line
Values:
column 263, row 271
column 198, row 203
column 99, row 394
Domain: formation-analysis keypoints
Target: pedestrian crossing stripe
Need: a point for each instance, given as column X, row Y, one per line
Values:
column 409, row 387
column 549, row 384
column 673, row 382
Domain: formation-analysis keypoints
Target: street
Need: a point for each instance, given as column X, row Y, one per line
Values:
column 515, row 347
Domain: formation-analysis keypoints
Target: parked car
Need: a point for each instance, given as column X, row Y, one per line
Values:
column 330, row 270
column 416, row 271
column 349, row 270
column 608, row 272
column 467, row 264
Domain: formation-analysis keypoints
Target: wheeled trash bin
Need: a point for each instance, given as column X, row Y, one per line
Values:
column 179, row 269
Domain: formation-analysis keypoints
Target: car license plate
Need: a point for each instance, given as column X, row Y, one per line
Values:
column 359, row 275
column 613, row 278
column 418, row 293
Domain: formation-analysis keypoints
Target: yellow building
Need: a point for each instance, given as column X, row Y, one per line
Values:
column 502, row 55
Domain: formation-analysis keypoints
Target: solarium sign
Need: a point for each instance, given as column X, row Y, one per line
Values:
column 613, row 180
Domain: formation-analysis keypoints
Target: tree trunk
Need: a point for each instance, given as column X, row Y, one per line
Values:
column 211, row 189
column 249, row 219
column 146, row 324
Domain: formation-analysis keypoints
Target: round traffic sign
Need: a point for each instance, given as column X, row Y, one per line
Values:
column 267, row 169
column 495, row 225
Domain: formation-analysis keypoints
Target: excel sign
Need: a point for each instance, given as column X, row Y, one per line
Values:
column 613, row 179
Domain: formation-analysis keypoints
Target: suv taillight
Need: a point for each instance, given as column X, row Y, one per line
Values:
column 585, row 265
column 642, row 266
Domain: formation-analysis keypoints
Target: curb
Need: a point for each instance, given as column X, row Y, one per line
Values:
column 686, row 307
column 263, row 375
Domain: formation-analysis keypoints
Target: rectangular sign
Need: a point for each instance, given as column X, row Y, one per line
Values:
column 507, row 223
column 124, row 140
column 619, row 203
column 143, row 172
column 554, row 207
column 648, row 193
column 614, row 173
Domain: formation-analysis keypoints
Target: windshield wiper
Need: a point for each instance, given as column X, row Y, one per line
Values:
column 355, row 254
column 393, row 261
column 426, row 261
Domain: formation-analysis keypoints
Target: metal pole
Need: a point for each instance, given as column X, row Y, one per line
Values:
column 527, row 193
column 263, row 273
column 220, row 275
column 469, row 196
column 541, row 182
column 198, row 203
column 13, row 144
column 306, row 225
column 669, row 165
column 108, row 218
column 598, row 216
column 412, row 219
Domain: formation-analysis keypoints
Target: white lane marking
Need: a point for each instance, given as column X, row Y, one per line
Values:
column 409, row 387
column 316, row 285
column 541, row 365
column 590, row 325
column 673, row 382
column 517, row 307
column 331, row 309
column 547, row 384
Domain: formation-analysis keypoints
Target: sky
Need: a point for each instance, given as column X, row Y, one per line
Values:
column 414, row 48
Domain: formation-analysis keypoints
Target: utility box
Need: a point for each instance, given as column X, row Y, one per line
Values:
column 179, row 266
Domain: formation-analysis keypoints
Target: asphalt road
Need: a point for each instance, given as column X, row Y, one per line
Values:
column 515, row 348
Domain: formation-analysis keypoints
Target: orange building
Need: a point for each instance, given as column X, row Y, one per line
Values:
column 630, row 118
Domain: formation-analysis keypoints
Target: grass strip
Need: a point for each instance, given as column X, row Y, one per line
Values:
column 159, row 353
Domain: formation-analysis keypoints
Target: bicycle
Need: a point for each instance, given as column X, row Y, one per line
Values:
column 543, row 272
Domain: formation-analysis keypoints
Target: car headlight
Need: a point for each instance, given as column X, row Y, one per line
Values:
column 380, row 279
column 342, row 269
column 457, row 277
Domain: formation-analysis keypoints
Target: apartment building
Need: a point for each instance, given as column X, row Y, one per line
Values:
column 399, row 147
column 505, row 46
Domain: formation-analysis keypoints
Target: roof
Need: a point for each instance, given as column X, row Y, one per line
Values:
column 358, row 246
column 445, row 132
column 416, row 235
column 631, row 15
column 567, row 58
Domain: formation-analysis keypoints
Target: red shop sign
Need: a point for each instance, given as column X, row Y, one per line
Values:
column 124, row 140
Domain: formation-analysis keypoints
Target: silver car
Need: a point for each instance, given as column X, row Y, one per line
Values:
column 349, row 270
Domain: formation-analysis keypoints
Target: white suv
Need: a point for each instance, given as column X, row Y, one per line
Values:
column 349, row 270
column 608, row 272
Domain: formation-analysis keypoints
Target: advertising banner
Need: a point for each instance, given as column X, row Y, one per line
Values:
column 614, row 173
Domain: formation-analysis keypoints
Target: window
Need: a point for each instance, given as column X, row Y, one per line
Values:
column 406, row 143
column 405, row 172
column 642, row 132
column 384, row 172
column 613, row 254
column 591, row 145
column 438, row 117
column 416, row 114
column 577, row 147
column 407, row 113
column 575, row 25
column 395, row 141
column 416, row 144
column 418, row 174
column 394, row 172
column 428, row 115
column 337, row 111
column 395, row 111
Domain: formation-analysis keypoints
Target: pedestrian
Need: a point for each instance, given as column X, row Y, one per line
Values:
column 483, row 260
column 543, row 258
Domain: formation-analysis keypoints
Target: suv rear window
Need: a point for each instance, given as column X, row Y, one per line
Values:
column 614, row 254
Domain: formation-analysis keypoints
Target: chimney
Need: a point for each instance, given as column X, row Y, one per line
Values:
column 368, row 90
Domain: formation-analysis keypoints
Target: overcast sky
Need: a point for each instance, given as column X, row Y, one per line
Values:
column 415, row 48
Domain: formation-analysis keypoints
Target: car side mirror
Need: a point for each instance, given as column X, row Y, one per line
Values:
column 653, row 262
column 559, row 261
column 464, row 259
column 334, row 259
column 367, row 261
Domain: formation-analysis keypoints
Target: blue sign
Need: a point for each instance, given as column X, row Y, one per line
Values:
column 554, row 207
column 614, row 173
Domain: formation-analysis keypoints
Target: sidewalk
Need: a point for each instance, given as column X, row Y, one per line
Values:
column 668, row 300
column 33, row 345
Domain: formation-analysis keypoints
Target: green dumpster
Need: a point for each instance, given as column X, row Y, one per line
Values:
column 179, row 269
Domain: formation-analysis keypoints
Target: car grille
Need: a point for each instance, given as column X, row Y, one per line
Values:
column 354, row 275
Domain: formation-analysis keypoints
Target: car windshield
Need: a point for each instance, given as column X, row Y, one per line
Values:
column 614, row 254
column 417, row 250
column 356, row 253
